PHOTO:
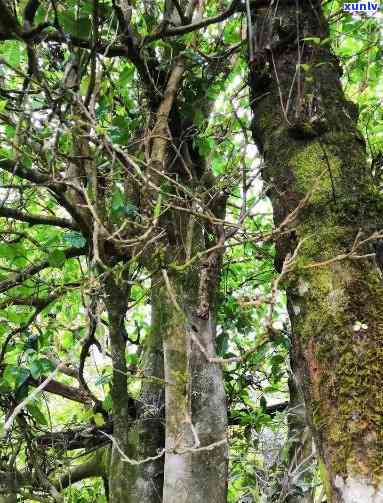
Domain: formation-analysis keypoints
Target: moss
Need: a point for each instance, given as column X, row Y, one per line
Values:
column 343, row 360
column 325, row 479
column 313, row 166
column 348, row 366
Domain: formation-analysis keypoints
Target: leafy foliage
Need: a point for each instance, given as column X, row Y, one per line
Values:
column 98, row 126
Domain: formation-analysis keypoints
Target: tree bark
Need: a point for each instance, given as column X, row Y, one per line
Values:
column 195, row 405
column 195, row 468
column 301, row 455
column 146, row 434
column 307, row 132
column 116, row 303
column 95, row 465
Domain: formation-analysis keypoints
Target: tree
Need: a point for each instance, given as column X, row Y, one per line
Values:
column 140, row 315
column 135, row 198
column 315, row 162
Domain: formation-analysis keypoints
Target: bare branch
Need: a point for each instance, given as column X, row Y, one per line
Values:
column 64, row 390
column 37, row 219
column 182, row 30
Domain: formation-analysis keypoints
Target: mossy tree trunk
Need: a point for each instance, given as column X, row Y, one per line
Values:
column 307, row 132
column 195, row 406
column 195, row 468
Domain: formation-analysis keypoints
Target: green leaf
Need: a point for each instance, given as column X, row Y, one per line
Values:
column 107, row 403
column 118, row 201
column 126, row 75
column 15, row 376
column 74, row 238
column 157, row 208
column 314, row 40
column 99, row 419
column 277, row 359
column 222, row 343
column 56, row 259
column 37, row 414
column 67, row 340
column 132, row 359
column 40, row 367
column 205, row 146
column 12, row 52
column 305, row 67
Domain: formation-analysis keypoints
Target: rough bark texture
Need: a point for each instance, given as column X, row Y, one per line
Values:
column 195, row 468
column 307, row 132
column 94, row 465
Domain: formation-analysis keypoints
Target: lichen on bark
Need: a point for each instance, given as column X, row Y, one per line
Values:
column 307, row 131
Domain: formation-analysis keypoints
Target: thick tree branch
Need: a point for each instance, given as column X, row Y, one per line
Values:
column 93, row 467
column 36, row 302
column 37, row 219
column 159, row 134
column 107, row 50
column 19, row 170
column 130, row 49
column 80, row 438
column 182, row 30
column 70, row 371
column 57, row 188
column 11, row 482
column 63, row 390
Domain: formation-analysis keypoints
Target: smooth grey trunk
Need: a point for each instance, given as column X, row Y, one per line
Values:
column 146, row 434
column 116, row 301
column 196, row 416
column 301, row 460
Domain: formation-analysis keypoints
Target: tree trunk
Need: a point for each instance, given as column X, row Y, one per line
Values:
column 146, row 435
column 94, row 465
column 307, row 132
column 301, row 459
column 195, row 468
column 11, row 498
column 116, row 303
column 196, row 416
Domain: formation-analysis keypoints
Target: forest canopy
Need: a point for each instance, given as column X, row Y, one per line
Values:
column 191, row 252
